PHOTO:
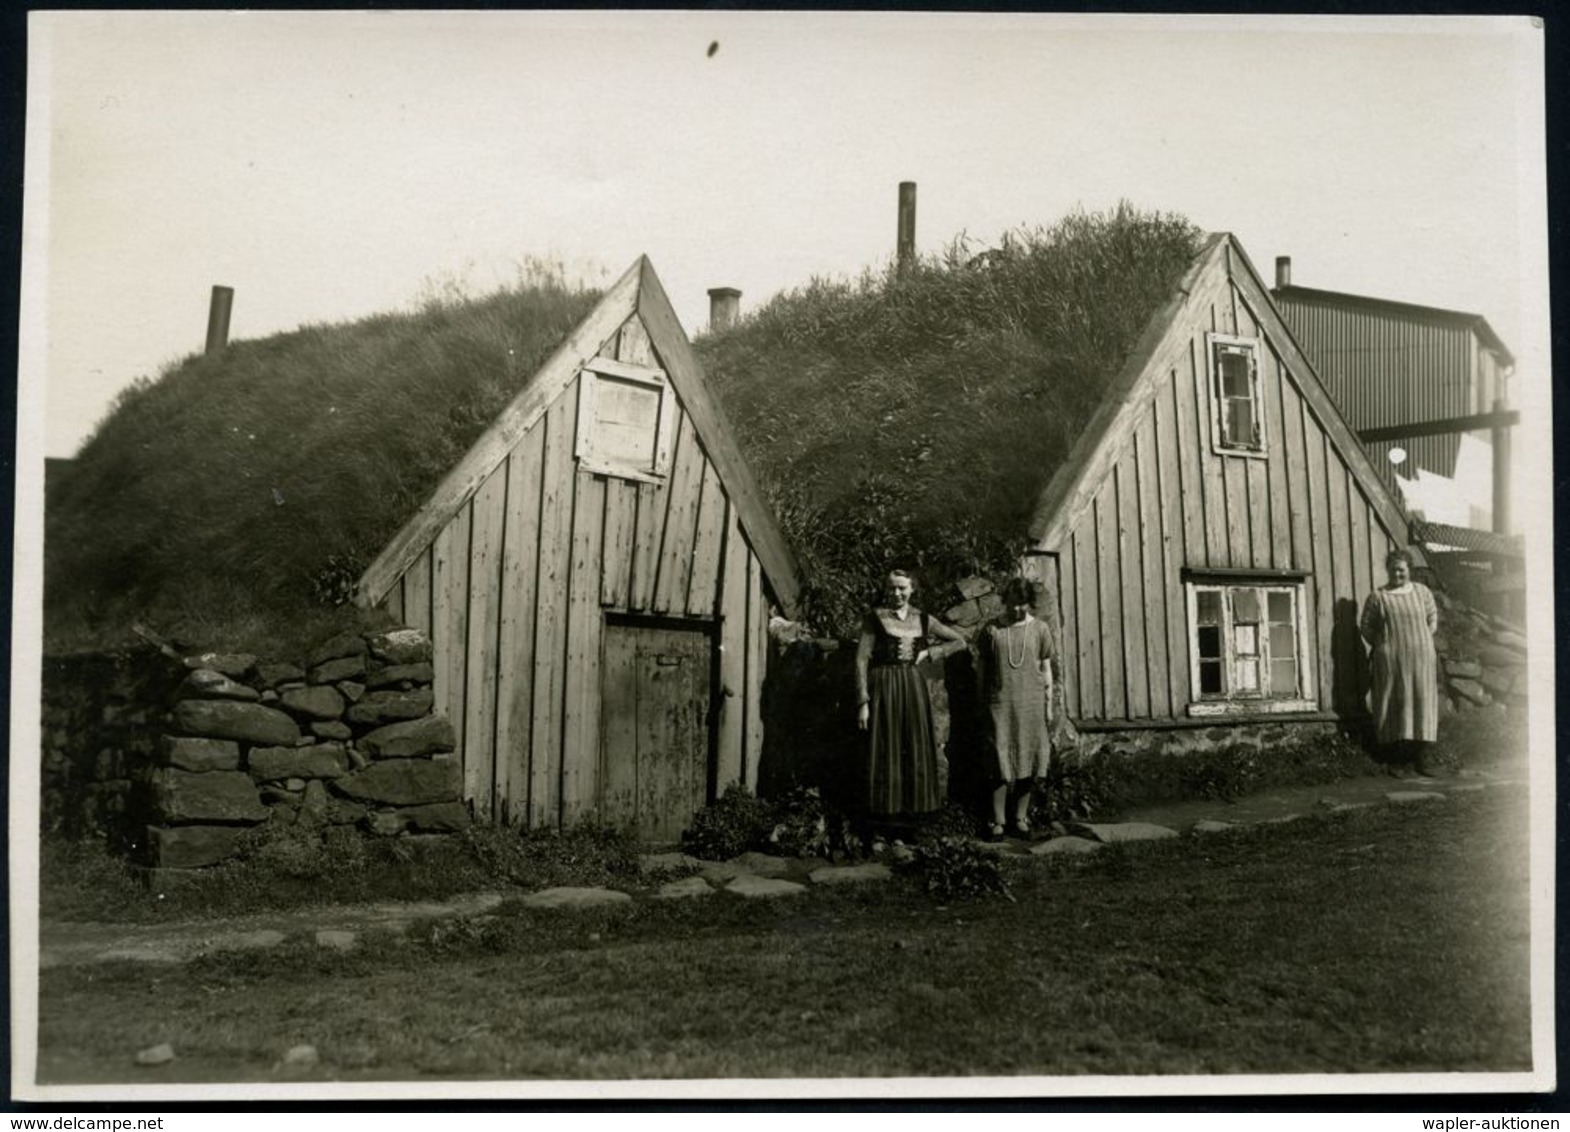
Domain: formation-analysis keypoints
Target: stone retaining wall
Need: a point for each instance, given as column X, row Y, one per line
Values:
column 192, row 754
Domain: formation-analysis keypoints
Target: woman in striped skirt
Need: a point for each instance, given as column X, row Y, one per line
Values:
column 893, row 705
column 1398, row 623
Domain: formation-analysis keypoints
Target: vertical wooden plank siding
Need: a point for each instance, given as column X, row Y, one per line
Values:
column 648, row 526
column 485, row 561
column 1256, row 472
column 757, row 657
column 417, row 594
column 450, row 618
column 393, row 602
column 1153, row 609
column 1068, row 602
column 621, row 515
column 708, row 545
column 1277, row 507
column 1191, row 489
column 618, row 770
column 633, row 343
column 550, row 641
column 1293, row 474
column 515, row 633
column 731, row 738
column 1212, row 489
column 1379, row 546
column 1171, row 512
column 681, row 516
column 1323, row 580
column 1087, row 580
column 1340, row 546
column 1300, row 480
column 1136, row 675
column 1114, row 701
column 1357, row 506
column 1234, row 476
column 581, row 725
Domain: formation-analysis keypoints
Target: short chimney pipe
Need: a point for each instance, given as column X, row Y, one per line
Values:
column 724, row 307
column 905, row 237
column 218, row 319
column 1283, row 272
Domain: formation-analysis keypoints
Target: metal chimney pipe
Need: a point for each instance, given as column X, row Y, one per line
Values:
column 905, row 237
column 1283, row 271
column 218, row 319
column 724, row 307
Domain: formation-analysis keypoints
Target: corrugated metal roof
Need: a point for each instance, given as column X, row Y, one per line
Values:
column 1461, row 319
column 1466, row 538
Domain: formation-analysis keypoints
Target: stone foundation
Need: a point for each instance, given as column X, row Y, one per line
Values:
column 1212, row 736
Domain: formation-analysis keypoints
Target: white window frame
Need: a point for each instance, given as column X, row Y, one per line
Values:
column 601, row 463
column 1215, row 346
column 1229, row 701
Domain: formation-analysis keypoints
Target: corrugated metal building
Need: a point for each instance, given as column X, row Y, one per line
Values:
column 1390, row 363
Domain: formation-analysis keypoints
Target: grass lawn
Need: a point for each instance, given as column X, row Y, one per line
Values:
column 1390, row 939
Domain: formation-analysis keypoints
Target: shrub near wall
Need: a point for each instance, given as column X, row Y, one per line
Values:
column 346, row 741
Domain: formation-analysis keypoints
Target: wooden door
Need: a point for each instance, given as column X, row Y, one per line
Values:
column 654, row 727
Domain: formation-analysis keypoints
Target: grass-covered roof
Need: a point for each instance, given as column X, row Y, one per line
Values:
column 912, row 417
column 234, row 500
column 915, row 417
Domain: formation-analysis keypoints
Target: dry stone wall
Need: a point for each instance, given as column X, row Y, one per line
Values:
column 202, row 752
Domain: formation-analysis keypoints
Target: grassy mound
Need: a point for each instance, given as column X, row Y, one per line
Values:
column 916, row 417
column 233, row 501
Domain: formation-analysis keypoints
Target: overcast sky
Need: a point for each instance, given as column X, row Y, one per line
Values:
column 329, row 166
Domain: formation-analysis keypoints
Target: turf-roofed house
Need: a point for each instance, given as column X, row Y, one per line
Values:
column 596, row 575
column 1114, row 407
column 495, row 559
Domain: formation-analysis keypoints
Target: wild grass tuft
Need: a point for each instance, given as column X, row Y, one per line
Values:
column 232, row 501
column 915, row 416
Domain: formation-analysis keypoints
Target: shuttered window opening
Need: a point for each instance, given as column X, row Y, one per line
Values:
column 1247, row 645
column 1237, row 402
column 624, row 421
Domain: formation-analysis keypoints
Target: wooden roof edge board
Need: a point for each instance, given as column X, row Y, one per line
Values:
column 1252, row 290
column 1465, row 319
column 714, row 432
column 1076, row 478
column 483, row 457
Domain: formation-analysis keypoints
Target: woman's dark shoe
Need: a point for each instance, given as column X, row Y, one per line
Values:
column 993, row 832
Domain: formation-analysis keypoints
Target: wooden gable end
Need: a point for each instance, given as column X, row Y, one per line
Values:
column 519, row 580
column 1161, row 505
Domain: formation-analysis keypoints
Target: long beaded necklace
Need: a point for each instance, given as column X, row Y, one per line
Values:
column 1008, row 645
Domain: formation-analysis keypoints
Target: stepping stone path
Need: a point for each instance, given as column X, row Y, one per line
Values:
column 1210, row 825
column 849, row 874
column 1402, row 796
column 763, row 865
column 301, row 1057
column 684, row 889
column 749, row 875
column 1126, row 831
column 156, row 1055
column 569, row 897
column 1060, row 845
column 654, row 862
column 751, row 885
